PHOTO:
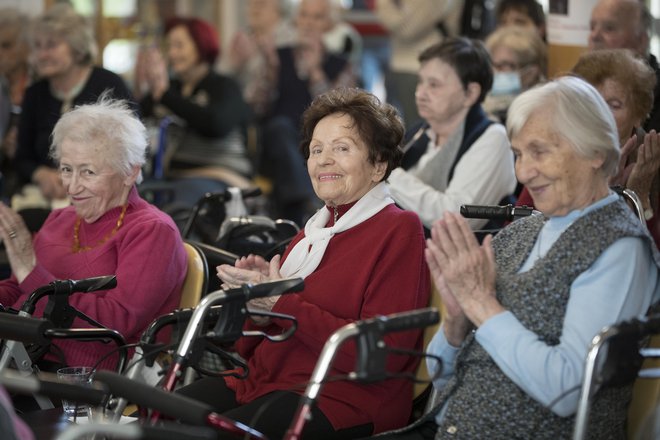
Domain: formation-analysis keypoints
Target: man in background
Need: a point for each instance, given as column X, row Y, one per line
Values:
column 626, row 24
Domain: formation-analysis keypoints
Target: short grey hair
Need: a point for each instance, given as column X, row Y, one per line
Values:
column 62, row 21
column 580, row 115
column 110, row 124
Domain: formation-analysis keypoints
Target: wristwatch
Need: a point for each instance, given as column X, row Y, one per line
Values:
column 648, row 214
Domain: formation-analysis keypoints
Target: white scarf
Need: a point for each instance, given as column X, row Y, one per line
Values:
column 308, row 252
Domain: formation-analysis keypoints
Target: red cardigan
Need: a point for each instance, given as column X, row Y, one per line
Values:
column 376, row 267
column 146, row 254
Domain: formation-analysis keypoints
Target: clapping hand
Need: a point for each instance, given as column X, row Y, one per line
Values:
column 241, row 49
column 646, row 166
column 18, row 243
column 624, row 168
column 155, row 72
column 49, row 182
column 252, row 269
column 638, row 174
column 464, row 273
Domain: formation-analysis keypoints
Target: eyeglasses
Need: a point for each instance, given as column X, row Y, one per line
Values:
column 505, row 66
column 46, row 44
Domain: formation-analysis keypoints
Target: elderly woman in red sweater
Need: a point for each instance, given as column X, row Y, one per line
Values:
column 108, row 230
column 360, row 256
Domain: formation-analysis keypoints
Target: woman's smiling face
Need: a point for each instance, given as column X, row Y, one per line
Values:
column 338, row 162
column 558, row 179
column 93, row 186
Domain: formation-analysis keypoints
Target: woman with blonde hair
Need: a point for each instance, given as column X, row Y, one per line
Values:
column 519, row 58
column 64, row 52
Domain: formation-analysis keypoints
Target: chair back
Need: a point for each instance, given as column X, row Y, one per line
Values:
column 645, row 397
column 422, row 372
column 423, row 390
column 196, row 281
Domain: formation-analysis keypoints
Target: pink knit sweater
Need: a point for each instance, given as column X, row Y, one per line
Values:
column 146, row 254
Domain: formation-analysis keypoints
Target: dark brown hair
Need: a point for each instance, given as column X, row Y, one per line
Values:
column 377, row 123
column 469, row 59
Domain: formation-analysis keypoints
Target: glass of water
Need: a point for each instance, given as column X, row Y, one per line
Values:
column 76, row 376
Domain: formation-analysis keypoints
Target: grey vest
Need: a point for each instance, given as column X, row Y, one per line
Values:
column 485, row 403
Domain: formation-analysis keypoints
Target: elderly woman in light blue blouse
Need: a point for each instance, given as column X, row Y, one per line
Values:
column 523, row 307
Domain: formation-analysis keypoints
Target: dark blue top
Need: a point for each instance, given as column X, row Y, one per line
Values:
column 41, row 111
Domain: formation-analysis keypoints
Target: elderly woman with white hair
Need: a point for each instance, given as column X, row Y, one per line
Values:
column 523, row 307
column 109, row 229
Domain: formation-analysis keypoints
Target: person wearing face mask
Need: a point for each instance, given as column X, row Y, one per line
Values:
column 519, row 59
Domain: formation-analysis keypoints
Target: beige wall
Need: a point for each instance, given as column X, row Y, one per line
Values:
column 568, row 35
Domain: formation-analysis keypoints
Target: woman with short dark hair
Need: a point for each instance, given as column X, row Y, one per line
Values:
column 456, row 155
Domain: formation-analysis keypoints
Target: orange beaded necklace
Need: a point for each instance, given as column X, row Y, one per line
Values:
column 76, row 230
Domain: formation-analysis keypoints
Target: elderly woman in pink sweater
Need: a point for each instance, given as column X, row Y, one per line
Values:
column 107, row 230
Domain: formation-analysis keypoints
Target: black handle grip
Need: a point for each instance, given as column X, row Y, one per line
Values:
column 93, row 284
column 395, row 322
column 223, row 196
column 67, row 287
column 262, row 290
column 24, row 329
column 251, row 192
column 487, row 212
column 506, row 212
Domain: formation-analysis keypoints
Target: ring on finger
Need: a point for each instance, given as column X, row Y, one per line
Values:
column 12, row 234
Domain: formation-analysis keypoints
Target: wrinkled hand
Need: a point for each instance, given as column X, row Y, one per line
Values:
column 157, row 78
column 252, row 269
column 646, row 166
column 624, row 168
column 18, row 243
column 464, row 271
column 140, row 75
column 267, row 47
column 310, row 55
column 241, row 49
column 49, row 182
